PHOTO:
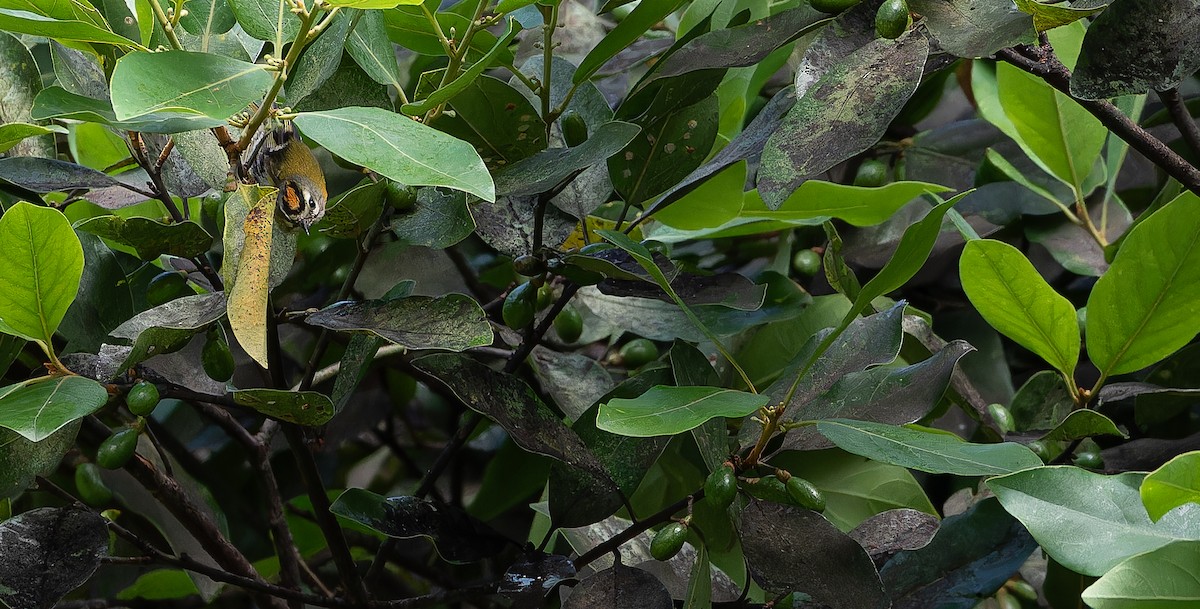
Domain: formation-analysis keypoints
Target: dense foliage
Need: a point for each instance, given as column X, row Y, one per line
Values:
column 635, row 305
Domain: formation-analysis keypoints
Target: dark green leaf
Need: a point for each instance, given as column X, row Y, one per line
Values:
column 514, row 406
column 368, row 44
column 498, row 120
column 167, row 327
column 39, row 407
column 105, row 300
column 320, row 60
column 1042, row 402
column 352, row 215
column 792, row 549
column 971, row 557
column 151, row 238
column 842, row 114
column 629, row 30
column 620, row 587
column 208, row 17
column 458, row 537
column 667, row 150
column 51, row 175
column 541, row 172
column 446, row 93
column 21, row 461
column 927, row 451
column 399, row 148
column 439, row 219
column 46, row 553
column 300, row 407
column 56, row 102
column 1060, row 508
column 1083, row 424
column 453, row 322
column 975, row 28
column 1138, row 45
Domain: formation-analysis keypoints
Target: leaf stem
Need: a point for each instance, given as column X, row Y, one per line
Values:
column 305, row 34
column 167, row 26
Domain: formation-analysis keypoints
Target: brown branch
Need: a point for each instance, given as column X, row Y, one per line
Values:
column 281, row 535
column 616, row 541
column 1181, row 117
column 1042, row 62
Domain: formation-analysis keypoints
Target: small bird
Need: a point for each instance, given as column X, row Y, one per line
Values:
column 286, row 163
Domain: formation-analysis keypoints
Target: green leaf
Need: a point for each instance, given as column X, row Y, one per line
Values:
column 909, row 257
column 1147, row 305
column 454, row 87
column 12, row 133
column 399, row 148
column 647, row 13
column 855, row 488
column 269, row 20
column 56, row 102
column 1166, row 578
column 937, row 453
column 190, row 83
column 39, row 407
column 859, row 205
column 1089, row 522
column 544, row 170
column 167, row 327
column 842, row 114
column 17, row 17
column 41, row 263
column 151, row 238
column 300, row 407
column 43, row 175
column 21, row 460
column 1010, row 294
column 1175, row 483
column 666, row 411
column 1055, row 131
column 208, row 17
column 321, row 59
column 1083, row 424
column 1046, row 16
column 975, row 28
column 372, row 4
column 453, row 322
column 439, row 219
column 712, row 203
column 498, row 119
column 370, row 47
column 669, row 148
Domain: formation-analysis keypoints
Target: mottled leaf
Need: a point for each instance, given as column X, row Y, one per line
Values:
column 47, row 552
column 453, row 322
column 1138, row 45
column 299, row 407
column 457, row 537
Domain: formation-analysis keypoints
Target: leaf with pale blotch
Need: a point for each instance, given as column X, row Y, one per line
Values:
column 453, row 322
column 248, row 296
column 47, row 552
column 299, row 407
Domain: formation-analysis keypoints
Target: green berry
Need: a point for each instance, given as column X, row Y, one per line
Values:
column 574, row 128
column 165, row 287
column 1002, row 416
column 142, row 398
column 1089, row 459
column 90, row 486
column 721, row 486
column 638, row 352
column 217, row 359
column 668, row 541
column 529, row 265
column 806, row 262
column 805, row 495
column 117, row 449
column 833, row 6
column 768, row 488
column 872, row 173
column 545, row 297
column 518, row 309
column 892, row 19
column 1022, row 589
column 569, row 324
column 1006, row 600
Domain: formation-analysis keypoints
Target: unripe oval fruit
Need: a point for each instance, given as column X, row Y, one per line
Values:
column 1007, row 601
column 721, row 487
column 892, row 19
column 117, row 449
column 1022, row 589
column 872, row 172
column 545, row 296
column 569, row 324
column 142, row 398
column 769, row 488
column 518, row 307
column 833, row 6
column 805, row 494
column 165, row 287
column 529, row 265
column 574, row 128
column 668, row 541
column 91, row 488
column 639, row 352
column 1002, row 416
column 1089, row 459
column 217, row 359
column 806, row 262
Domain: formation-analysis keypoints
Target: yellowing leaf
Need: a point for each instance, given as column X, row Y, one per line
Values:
column 247, row 304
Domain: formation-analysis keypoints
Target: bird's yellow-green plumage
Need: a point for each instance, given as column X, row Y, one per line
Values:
column 287, row 163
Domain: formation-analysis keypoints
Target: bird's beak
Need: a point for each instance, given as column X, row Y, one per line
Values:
column 305, row 225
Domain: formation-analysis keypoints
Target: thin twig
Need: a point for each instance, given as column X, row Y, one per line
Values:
column 1181, row 117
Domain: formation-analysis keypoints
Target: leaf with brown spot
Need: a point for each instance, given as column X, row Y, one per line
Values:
column 247, row 305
